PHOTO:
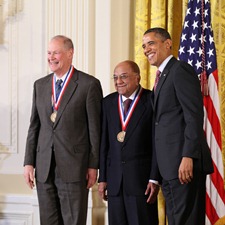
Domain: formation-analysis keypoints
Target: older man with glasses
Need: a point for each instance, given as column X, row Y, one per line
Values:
column 129, row 175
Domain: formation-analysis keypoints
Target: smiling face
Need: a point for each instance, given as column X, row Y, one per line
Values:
column 59, row 56
column 156, row 48
column 126, row 80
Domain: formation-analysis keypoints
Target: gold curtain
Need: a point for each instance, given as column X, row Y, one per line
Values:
column 170, row 14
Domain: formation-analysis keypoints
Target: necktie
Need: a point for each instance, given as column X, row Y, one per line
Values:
column 126, row 105
column 58, row 88
column 157, row 79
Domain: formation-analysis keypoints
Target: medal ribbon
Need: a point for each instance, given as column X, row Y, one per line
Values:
column 64, row 85
column 125, row 119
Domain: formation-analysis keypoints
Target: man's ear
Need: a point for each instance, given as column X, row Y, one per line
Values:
column 168, row 43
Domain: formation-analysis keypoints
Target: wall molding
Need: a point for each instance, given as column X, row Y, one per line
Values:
column 11, row 15
column 17, row 209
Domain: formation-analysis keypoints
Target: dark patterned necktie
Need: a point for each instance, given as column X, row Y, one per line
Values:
column 58, row 88
column 157, row 79
column 126, row 105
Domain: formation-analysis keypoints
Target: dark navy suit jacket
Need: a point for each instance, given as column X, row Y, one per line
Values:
column 131, row 163
column 178, row 120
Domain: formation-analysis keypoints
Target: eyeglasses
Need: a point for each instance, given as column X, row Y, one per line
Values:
column 122, row 77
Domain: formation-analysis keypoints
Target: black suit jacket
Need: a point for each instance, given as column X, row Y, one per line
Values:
column 178, row 115
column 131, row 162
column 75, row 135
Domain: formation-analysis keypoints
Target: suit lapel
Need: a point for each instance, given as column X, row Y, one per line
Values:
column 69, row 91
column 163, row 77
column 114, row 115
column 47, row 97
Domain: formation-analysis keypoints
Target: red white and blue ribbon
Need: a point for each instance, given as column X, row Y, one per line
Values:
column 124, row 119
column 64, row 85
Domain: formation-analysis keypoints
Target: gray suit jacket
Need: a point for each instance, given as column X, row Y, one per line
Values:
column 74, row 136
column 178, row 106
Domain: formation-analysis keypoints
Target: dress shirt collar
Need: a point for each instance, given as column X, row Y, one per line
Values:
column 132, row 96
column 62, row 78
column 164, row 63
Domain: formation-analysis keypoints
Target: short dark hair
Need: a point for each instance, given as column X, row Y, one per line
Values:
column 161, row 32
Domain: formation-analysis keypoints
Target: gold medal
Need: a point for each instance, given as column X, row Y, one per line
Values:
column 121, row 136
column 53, row 116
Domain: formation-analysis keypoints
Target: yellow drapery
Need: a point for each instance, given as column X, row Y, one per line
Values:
column 170, row 14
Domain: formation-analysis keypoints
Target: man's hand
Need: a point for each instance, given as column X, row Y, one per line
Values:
column 152, row 190
column 102, row 190
column 29, row 175
column 185, row 172
column 91, row 177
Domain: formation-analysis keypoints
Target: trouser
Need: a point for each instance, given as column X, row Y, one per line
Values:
column 62, row 203
column 185, row 203
column 126, row 209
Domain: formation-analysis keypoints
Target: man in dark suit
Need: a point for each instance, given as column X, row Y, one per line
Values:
column 182, row 152
column 63, row 138
column 128, row 172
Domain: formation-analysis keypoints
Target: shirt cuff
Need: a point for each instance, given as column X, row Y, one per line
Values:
column 154, row 181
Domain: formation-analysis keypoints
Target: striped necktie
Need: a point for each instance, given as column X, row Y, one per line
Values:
column 157, row 79
column 126, row 105
column 58, row 88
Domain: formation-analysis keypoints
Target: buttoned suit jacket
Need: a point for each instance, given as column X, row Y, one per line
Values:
column 75, row 135
column 130, row 163
column 178, row 120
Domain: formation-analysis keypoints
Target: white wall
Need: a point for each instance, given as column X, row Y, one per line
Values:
column 101, row 32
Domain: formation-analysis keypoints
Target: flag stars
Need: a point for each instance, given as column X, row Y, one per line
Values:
column 198, row 64
column 190, row 51
column 197, row 11
column 202, row 38
column 186, row 24
column 199, row 51
column 181, row 50
column 211, row 40
column 190, row 62
column 209, row 65
column 210, row 52
column 193, row 38
column 195, row 24
column 188, row 11
column 196, row 40
column 205, row 26
column 183, row 37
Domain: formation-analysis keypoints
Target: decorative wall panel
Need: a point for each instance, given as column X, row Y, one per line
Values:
column 10, row 14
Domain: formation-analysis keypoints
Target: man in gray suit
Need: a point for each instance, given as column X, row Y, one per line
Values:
column 63, row 138
column 182, row 153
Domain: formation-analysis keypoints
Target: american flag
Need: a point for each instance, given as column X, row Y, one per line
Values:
column 198, row 49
